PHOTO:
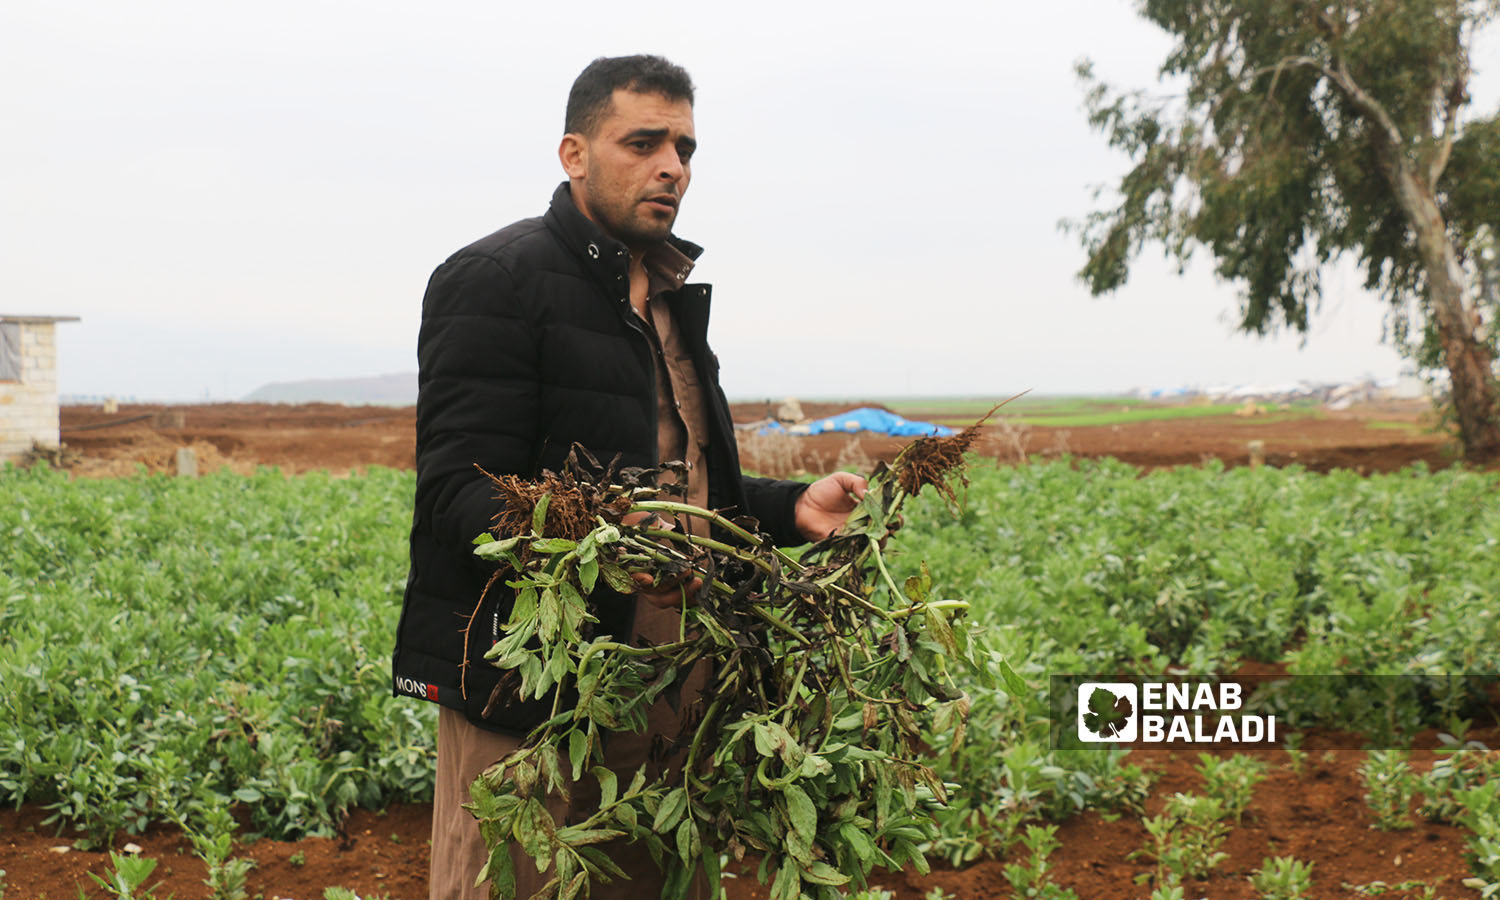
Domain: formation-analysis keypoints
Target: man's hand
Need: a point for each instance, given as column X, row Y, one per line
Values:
column 665, row 597
column 827, row 502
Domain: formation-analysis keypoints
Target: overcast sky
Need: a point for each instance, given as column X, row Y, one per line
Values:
column 231, row 194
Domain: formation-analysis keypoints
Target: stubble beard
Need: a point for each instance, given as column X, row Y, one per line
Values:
column 634, row 228
column 627, row 222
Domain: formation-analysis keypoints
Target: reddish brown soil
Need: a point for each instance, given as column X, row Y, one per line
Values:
column 383, row 853
column 241, row 436
column 1320, row 442
column 1318, row 816
column 340, row 439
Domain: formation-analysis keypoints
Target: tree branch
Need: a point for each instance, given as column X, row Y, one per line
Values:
column 1282, row 65
column 1455, row 97
column 1338, row 73
column 1439, row 161
column 1367, row 104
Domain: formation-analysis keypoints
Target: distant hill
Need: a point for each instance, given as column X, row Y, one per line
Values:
column 399, row 389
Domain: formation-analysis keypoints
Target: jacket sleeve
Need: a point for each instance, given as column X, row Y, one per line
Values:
column 477, row 395
column 773, row 503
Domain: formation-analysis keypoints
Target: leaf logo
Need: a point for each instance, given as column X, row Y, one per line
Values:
column 1107, row 712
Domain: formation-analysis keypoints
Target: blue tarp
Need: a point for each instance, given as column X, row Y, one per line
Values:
column 865, row 419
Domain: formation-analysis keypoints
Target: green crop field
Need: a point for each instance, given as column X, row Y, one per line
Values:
column 1066, row 412
column 172, row 647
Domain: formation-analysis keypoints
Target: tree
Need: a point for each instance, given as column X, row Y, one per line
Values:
column 1311, row 130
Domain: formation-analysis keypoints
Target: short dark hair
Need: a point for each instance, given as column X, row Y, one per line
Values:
column 589, row 100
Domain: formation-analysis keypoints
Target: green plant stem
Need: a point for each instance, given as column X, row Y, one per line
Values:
column 615, row 647
column 709, row 515
column 756, row 561
column 708, row 718
column 698, row 512
column 885, row 573
column 899, row 614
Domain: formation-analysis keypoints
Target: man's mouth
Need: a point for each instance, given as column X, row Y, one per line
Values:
column 665, row 202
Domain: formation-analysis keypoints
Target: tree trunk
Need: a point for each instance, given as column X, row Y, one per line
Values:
column 1476, row 401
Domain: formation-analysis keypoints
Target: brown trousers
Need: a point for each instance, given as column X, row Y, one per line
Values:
column 463, row 751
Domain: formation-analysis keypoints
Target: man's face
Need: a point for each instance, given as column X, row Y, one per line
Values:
column 630, row 175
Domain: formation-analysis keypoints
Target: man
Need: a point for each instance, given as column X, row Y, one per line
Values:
column 577, row 326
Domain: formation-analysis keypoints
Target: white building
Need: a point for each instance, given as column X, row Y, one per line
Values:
column 28, row 384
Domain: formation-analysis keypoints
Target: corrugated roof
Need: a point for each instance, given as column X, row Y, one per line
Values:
column 32, row 320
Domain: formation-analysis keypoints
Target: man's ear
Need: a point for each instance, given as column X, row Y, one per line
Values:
column 573, row 153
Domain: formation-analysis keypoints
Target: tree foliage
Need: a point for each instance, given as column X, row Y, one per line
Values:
column 1308, row 131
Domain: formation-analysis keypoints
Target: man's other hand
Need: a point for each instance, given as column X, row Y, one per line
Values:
column 827, row 502
column 661, row 597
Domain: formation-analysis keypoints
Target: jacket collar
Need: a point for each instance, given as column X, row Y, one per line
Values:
column 585, row 239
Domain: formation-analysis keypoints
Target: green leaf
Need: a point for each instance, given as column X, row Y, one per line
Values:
column 598, row 861
column 919, row 586
column 609, row 785
column 499, row 870
column 908, row 852
column 813, row 766
column 493, row 549
column 584, row 836
column 573, row 611
column 578, row 747
column 617, row 578
column 588, row 574
column 687, row 835
column 772, row 739
column 539, row 514
column 547, row 616
column 553, row 545
column 670, row 811
column 711, row 872
column 801, row 811
column 937, row 625
column 766, row 741
column 588, row 548
column 787, row 885
column 859, row 842
column 548, row 766
column 637, row 781
column 533, row 837
column 797, row 847
column 1013, row 683
column 823, row 873
column 524, row 608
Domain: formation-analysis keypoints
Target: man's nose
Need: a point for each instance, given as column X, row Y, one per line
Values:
column 670, row 162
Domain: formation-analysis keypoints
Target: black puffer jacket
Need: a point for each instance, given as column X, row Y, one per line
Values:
column 528, row 344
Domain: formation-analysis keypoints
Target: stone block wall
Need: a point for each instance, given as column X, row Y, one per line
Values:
column 28, row 407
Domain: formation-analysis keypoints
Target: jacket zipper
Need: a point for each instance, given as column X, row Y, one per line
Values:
column 639, row 327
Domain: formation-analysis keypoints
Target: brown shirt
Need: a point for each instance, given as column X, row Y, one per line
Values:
column 682, row 433
column 681, row 412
